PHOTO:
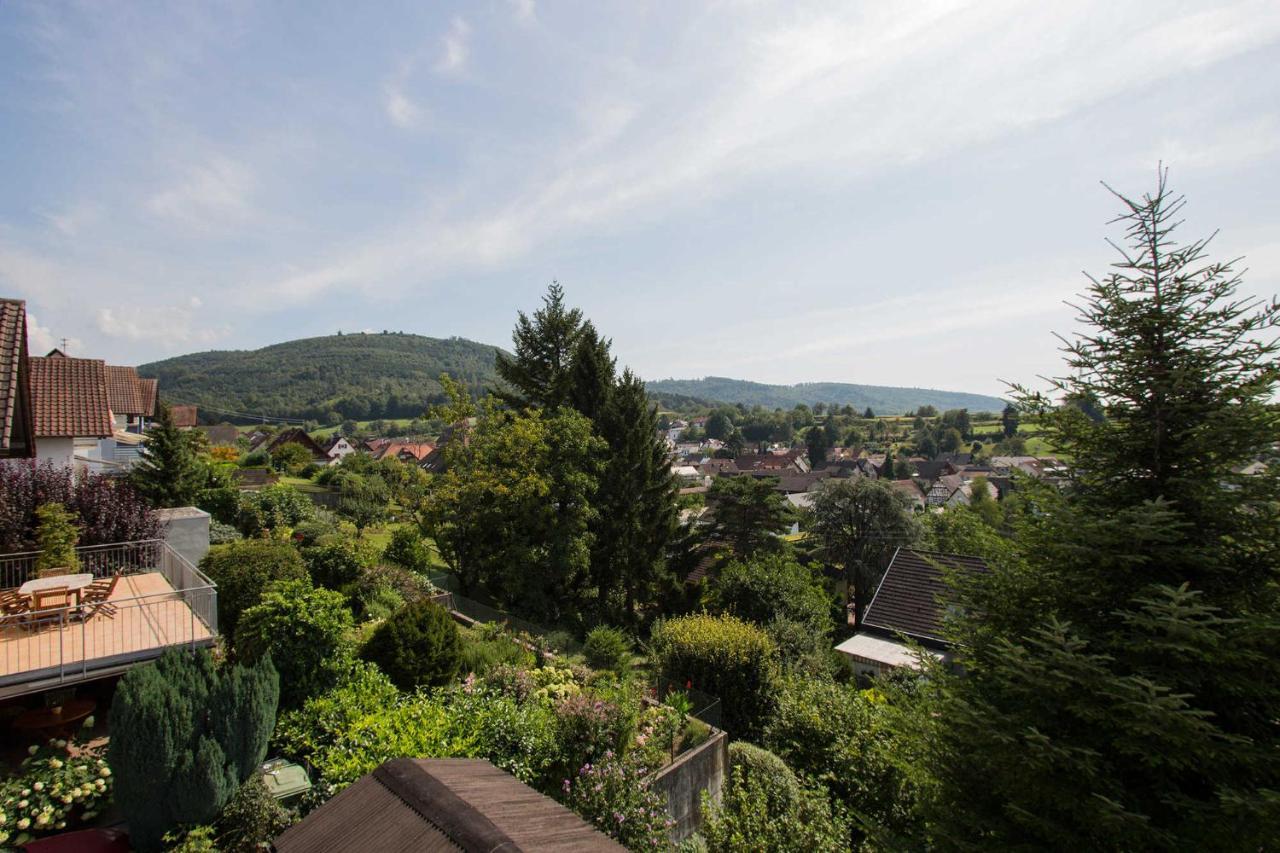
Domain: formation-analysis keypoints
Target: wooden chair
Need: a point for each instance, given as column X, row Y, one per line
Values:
column 55, row 572
column 13, row 605
column 54, row 598
column 96, row 597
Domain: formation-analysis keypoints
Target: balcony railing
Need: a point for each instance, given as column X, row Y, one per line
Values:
column 160, row 601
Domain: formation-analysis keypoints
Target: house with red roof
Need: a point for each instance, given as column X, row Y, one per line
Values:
column 72, row 411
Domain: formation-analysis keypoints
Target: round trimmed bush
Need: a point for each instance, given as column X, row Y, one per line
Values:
column 417, row 647
column 243, row 570
column 607, row 648
column 723, row 656
column 333, row 564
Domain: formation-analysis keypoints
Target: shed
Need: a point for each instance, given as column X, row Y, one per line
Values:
column 437, row 804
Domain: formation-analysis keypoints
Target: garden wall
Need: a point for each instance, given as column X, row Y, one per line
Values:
column 186, row 529
column 682, row 782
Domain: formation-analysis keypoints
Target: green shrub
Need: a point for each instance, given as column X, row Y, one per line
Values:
column 221, row 501
column 408, row 550
column 243, row 570
column 842, row 737
column 273, row 508
column 482, row 652
column 334, row 563
column 56, row 537
column 251, row 819
column 417, row 647
column 725, row 657
column 223, row 534
column 184, row 734
column 588, row 726
column 375, row 603
column 310, row 533
column 410, row 587
column 608, row 648
column 614, row 795
column 303, row 732
column 305, row 629
column 765, row 807
column 769, row 587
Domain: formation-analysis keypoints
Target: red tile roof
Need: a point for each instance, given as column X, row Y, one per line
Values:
column 70, row 397
column 124, row 391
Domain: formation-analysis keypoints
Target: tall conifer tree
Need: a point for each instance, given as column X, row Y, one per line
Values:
column 1121, row 690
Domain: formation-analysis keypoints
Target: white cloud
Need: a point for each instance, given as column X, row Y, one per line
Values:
column 525, row 10
column 71, row 221
column 42, row 339
column 402, row 111
column 216, row 190
column 455, row 48
column 818, row 97
column 170, row 325
column 1219, row 148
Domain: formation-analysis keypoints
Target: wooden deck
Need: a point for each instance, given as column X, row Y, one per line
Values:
column 149, row 617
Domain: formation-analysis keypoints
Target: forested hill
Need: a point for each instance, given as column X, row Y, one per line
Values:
column 360, row 376
column 882, row 399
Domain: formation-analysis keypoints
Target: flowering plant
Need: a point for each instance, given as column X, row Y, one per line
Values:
column 57, row 780
column 612, row 794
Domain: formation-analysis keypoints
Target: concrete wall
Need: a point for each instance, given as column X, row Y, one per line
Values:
column 186, row 529
column 683, row 781
column 60, row 450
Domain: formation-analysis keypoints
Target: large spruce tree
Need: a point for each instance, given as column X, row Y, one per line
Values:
column 169, row 472
column 562, row 362
column 540, row 373
column 1121, row 688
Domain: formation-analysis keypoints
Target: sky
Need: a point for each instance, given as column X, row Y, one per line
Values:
column 873, row 192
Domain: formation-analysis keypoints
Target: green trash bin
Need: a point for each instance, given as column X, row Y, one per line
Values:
column 285, row 780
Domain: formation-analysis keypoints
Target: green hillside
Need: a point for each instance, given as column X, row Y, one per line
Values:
column 883, row 399
column 357, row 376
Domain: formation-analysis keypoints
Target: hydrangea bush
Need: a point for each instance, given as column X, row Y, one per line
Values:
column 59, row 784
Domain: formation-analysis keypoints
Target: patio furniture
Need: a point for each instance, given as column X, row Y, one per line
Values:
column 74, row 583
column 96, row 597
column 13, row 605
column 55, row 572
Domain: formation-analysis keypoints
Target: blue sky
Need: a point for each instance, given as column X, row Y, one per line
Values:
column 866, row 192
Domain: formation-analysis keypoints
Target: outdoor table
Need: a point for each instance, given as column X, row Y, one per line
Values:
column 73, row 583
column 59, row 717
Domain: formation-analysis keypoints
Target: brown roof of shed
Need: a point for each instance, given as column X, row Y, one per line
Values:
column 912, row 594
column 440, row 804
column 184, row 416
column 70, row 398
column 16, row 420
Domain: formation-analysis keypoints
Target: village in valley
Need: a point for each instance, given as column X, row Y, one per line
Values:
column 679, row 428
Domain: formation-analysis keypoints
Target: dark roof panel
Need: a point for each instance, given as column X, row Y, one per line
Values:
column 442, row 804
column 16, row 423
column 911, row 594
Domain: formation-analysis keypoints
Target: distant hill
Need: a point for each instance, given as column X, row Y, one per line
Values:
column 883, row 399
column 360, row 376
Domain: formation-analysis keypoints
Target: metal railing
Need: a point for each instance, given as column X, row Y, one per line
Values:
column 68, row 644
column 99, row 560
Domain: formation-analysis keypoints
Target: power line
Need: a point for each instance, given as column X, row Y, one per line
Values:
column 246, row 415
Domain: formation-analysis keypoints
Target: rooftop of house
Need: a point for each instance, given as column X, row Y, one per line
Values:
column 910, row 597
column 129, row 394
column 14, row 383
column 69, row 396
column 442, row 804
